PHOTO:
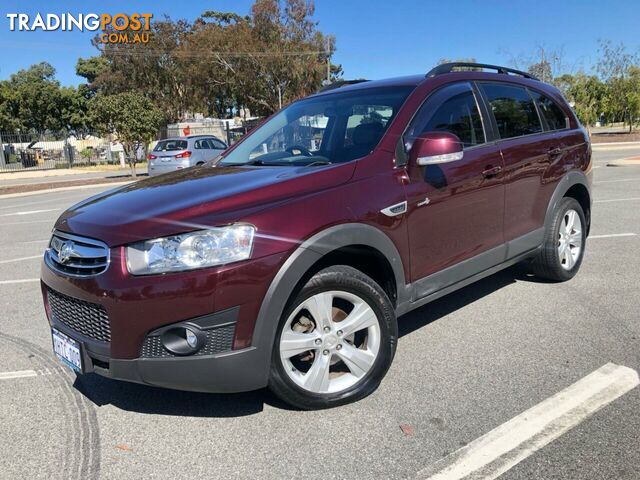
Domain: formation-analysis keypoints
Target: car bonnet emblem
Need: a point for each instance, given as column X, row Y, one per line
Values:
column 66, row 250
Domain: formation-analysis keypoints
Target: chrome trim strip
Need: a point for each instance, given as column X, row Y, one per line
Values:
column 89, row 248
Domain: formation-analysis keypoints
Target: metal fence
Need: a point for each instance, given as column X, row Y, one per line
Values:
column 42, row 151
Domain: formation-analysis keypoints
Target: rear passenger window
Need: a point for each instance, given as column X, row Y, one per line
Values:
column 453, row 109
column 513, row 110
column 552, row 113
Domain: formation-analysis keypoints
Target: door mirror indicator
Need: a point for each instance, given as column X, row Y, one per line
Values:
column 435, row 148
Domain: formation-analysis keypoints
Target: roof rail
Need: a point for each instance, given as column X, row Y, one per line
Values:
column 449, row 67
column 339, row 84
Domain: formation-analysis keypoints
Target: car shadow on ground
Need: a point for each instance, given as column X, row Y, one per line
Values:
column 158, row 401
column 448, row 304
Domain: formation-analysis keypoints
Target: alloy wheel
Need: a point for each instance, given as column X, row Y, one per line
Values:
column 570, row 239
column 330, row 341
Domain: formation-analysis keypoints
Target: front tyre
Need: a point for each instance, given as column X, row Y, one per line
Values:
column 563, row 247
column 335, row 341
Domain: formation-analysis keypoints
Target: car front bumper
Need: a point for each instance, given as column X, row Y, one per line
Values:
column 228, row 297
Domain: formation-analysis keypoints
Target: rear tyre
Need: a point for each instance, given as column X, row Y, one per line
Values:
column 199, row 164
column 563, row 247
column 335, row 341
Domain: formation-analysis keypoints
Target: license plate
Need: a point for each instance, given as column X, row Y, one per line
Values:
column 67, row 350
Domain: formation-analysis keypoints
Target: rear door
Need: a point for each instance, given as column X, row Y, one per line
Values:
column 526, row 152
column 217, row 147
column 455, row 209
column 200, row 151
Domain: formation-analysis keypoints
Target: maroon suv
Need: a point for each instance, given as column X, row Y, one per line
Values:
column 287, row 262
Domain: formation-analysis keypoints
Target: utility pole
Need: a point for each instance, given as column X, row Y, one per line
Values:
column 328, row 61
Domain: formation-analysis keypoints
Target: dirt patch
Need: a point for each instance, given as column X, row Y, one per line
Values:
column 71, row 183
column 615, row 137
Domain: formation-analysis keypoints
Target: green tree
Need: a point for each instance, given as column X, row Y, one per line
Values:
column 541, row 70
column 587, row 93
column 223, row 62
column 91, row 68
column 35, row 100
column 130, row 118
column 617, row 67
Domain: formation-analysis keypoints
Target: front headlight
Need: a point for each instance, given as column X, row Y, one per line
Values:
column 204, row 248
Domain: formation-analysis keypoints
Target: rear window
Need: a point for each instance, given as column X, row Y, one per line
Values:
column 170, row 145
column 552, row 113
column 513, row 110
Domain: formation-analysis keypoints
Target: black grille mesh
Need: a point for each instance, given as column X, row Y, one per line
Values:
column 218, row 340
column 89, row 319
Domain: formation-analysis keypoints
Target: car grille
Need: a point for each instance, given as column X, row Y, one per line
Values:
column 218, row 340
column 76, row 256
column 86, row 318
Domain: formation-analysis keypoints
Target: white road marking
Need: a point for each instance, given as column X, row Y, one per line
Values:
column 20, row 259
column 617, row 200
column 613, row 235
column 18, row 374
column 30, row 212
column 49, row 201
column 24, row 280
column 28, row 223
column 635, row 179
column 502, row 448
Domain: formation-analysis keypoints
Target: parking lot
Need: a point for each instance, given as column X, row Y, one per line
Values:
column 466, row 364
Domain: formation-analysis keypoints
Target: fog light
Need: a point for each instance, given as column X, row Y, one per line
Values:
column 192, row 340
column 183, row 340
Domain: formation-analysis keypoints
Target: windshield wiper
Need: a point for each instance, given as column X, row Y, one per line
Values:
column 319, row 163
column 262, row 163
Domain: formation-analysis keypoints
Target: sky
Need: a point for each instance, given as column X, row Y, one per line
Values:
column 375, row 38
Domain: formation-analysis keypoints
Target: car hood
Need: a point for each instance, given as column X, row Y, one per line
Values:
column 191, row 199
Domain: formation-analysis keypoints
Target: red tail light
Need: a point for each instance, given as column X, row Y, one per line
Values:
column 151, row 157
column 186, row 154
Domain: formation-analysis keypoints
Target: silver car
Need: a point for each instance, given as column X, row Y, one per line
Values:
column 181, row 152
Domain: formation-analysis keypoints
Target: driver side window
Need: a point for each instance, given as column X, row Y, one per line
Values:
column 452, row 109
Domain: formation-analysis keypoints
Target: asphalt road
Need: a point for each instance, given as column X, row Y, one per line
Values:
column 466, row 364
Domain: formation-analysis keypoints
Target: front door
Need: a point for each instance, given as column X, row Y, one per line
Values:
column 455, row 210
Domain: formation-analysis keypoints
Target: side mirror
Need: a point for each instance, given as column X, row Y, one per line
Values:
column 433, row 148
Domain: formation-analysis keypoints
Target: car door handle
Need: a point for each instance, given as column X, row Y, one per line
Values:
column 554, row 151
column 491, row 171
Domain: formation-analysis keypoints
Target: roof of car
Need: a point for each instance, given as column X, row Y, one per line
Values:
column 405, row 81
column 187, row 137
column 455, row 70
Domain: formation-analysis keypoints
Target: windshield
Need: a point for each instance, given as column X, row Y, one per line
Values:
column 170, row 145
column 333, row 128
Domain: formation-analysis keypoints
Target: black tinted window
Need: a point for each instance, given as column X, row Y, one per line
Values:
column 513, row 109
column 453, row 109
column 552, row 113
column 170, row 145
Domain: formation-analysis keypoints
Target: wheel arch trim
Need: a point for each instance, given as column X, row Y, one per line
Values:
column 299, row 263
column 576, row 177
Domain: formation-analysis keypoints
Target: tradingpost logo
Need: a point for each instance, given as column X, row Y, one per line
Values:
column 117, row 28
